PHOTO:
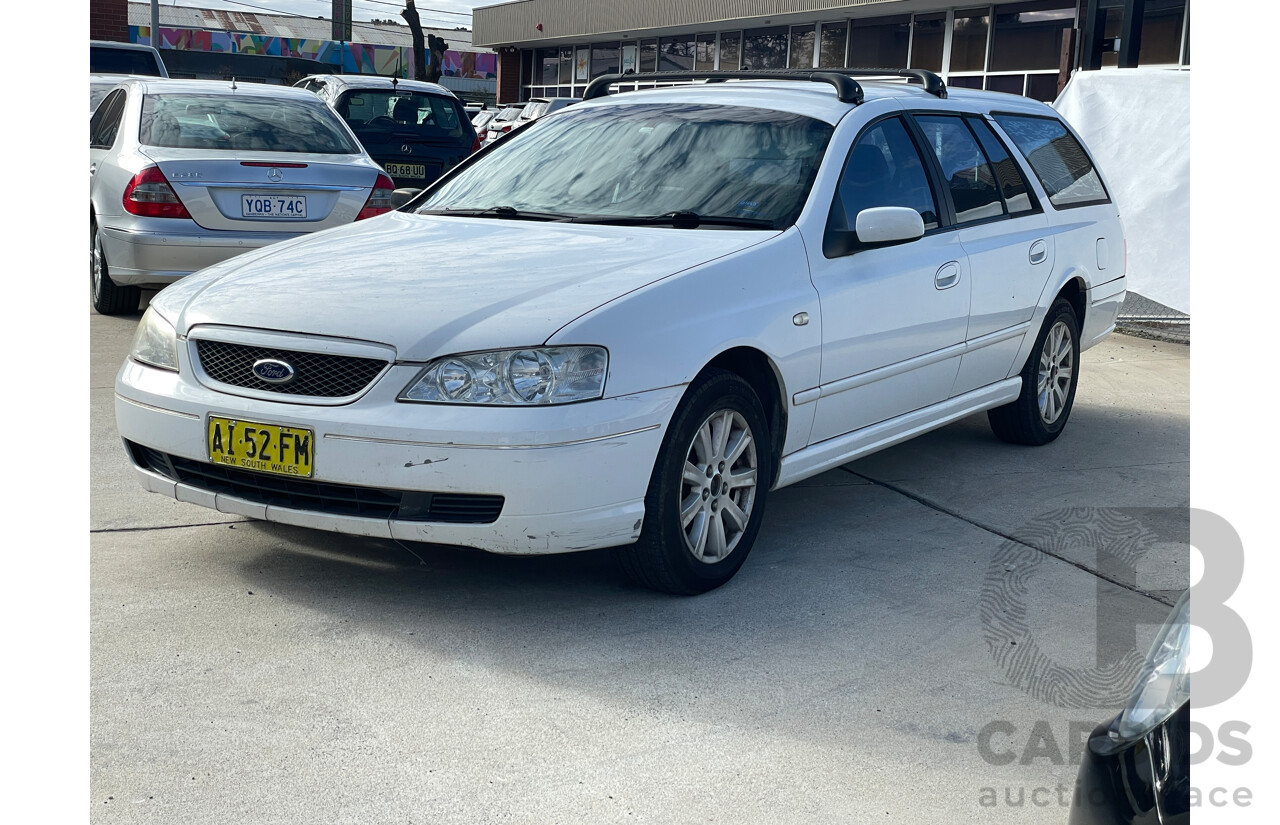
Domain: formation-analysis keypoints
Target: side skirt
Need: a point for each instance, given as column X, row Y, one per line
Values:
column 820, row 457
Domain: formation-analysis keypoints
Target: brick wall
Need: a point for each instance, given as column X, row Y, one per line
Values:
column 109, row 20
column 508, row 75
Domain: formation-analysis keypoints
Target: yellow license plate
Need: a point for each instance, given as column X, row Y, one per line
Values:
column 266, row 448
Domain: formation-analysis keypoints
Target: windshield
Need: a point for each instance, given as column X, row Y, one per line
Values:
column 635, row 160
column 533, row 110
column 204, row 121
column 402, row 113
column 510, row 113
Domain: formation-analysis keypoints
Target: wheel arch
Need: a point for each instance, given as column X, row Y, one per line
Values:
column 1076, row 291
column 758, row 369
column 1073, row 285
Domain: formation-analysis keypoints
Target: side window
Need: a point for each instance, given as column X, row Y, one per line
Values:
column 964, row 168
column 1013, row 186
column 1057, row 158
column 105, row 122
column 884, row 169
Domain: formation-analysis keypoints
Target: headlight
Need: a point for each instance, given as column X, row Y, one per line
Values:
column 538, row 376
column 1164, row 684
column 155, row 342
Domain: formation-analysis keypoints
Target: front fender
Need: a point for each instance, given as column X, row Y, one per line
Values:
column 664, row 334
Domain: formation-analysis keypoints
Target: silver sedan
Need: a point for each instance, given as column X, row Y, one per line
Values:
column 186, row 173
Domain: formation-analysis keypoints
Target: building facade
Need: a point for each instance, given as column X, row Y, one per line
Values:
column 556, row 47
column 279, row 48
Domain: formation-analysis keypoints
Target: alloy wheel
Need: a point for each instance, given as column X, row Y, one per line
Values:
column 1057, row 368
column 718, row 486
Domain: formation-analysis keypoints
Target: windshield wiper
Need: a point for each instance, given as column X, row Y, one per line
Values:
column 503, row 212
column 681, row 219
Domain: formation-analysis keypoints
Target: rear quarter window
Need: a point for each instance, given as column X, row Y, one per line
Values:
column 1059, row 161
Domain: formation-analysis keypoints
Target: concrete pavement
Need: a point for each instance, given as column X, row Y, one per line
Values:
column 247, row 672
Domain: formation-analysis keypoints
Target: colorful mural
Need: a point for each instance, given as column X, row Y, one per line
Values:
column 354, row 58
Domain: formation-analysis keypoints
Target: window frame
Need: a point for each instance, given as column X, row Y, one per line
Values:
column 96, row 123
column 1034, row 197
column 946, row 217
column 994, row 116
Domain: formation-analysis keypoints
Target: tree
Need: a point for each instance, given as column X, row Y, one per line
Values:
column 435, row 68
column 410, row 15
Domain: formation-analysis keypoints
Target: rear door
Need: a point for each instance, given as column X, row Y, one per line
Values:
column 1004, row 233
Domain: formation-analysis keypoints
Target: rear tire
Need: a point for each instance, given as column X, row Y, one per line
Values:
column 108, row 297
column 1049, row 381
column 707, row 493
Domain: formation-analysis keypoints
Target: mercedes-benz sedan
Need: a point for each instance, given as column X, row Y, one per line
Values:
column 187, row 173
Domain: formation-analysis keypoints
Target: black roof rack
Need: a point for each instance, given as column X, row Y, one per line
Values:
column 933, row 84
column 848, row 90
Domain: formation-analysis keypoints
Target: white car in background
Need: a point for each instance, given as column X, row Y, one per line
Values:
column 723, row 289
column 187, row 173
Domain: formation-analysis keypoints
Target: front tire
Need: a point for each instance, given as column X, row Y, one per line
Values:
column 707, row 493
column 108, row 297
column 1049, row 381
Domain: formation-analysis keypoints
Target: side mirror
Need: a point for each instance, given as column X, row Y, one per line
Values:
column 885, row 225
column 399, row 197
column 874, row 227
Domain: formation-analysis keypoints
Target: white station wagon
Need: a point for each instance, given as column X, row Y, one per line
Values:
column 724, row 288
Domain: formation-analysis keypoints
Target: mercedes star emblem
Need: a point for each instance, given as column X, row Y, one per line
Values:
column 274, row 174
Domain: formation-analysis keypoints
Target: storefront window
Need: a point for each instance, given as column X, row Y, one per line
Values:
column 566, row 64
column 546, row 66
column 969, row 41
column 927, row 34
column 706, row 59
column 526, row 67
column 1029, row 35
column 879, row 42
column 676, row 54
column 801, row 47
column 764, row 48
column 831, row 52
column 1042, row 87
column 1161, row 31
column 604, row 58
column 648, row 55
column 730, row 46
column 1007, row 83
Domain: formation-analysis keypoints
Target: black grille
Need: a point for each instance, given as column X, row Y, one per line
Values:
column 315, row 374
column 319, row 496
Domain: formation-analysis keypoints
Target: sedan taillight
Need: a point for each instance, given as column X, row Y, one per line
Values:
column 379, row 199
column 149, row 194
column 475, row 147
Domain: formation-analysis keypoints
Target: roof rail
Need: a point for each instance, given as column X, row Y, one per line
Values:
column 933, row 84
column 847, row 89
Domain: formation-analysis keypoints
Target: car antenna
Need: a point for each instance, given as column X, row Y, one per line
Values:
column 233, row 84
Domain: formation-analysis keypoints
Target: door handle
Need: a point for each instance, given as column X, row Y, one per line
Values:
column 948, row 275
column 1039, row 252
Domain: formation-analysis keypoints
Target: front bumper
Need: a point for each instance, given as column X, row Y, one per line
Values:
column 573, row 477
column 160, row 251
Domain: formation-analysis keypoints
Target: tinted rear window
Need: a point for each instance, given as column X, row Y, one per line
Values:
column 106, row 60
column 1057, row 158
column 371, row 112
column 196, row 121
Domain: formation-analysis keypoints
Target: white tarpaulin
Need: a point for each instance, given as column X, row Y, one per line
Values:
column 1137, row 125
